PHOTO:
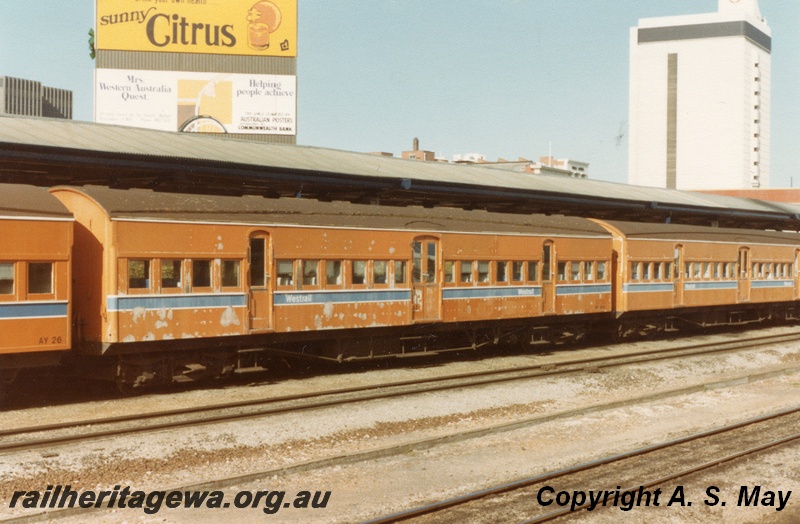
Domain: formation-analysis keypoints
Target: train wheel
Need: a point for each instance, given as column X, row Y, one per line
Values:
column 128, row 389
column 620, row 332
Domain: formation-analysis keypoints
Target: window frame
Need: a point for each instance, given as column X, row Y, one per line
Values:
column 148, row 276
column 238, row 285
column 387, row 264
column 42, row 295
column 198, row 288
column 283, row 284
column 181, row 280
column 327, row 264
column 313, row 264
column 352, row 264
column 9, row 297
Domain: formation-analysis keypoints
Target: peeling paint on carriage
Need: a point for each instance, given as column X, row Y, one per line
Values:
column 36, row 236
column 204, row 282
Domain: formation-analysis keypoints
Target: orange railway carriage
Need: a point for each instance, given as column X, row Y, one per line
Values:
column 711, row 275
column 213, row 275
column 35, row 279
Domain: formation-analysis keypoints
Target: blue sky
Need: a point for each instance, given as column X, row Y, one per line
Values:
column 504, row 78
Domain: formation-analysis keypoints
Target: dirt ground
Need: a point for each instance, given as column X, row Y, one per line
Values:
column 417, row 475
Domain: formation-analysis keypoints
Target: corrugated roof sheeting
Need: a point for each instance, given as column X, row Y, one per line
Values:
column 270, row 158
column 30, row 201
column 150, row 205
column 678, row 233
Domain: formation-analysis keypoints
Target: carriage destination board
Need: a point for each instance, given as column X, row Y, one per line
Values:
column 197, row 102
column 226, row 27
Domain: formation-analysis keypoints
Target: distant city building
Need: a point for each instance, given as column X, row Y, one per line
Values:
column 469, row 158
column 30, row 98
column 417, row 154
column 546, row 165
column 700, row 100
column 560, row 166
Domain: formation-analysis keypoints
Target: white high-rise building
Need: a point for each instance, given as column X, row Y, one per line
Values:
column 700, row 100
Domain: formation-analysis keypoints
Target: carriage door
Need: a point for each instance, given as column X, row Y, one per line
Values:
column 260, row 299
column 426, row 280
column 743, row 271
column 548, row 278
column 678, row 275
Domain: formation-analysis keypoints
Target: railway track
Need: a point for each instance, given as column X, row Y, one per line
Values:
column 69, row 432
column 642, row 472
column 407, row 448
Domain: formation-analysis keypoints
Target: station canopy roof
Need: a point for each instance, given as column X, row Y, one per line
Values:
column 49, row 152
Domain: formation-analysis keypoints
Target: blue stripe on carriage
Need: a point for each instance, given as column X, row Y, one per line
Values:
column 587, row 289
column 771, row 283
column 129, row 303
column 341, row 297
column 39, row 310
column 491, row 292
column 648, row 287
column 700, row 286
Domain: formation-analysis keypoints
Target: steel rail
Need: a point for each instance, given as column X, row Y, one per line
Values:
column 529, row 481
column 434, row 384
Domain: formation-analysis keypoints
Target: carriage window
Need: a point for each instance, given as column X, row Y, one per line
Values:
column 696, row 270
column 359, row 274
column 417, row 262
column 333, row 272
column 502, row 271
column 449, row 271
column 466, row 272
column 588, row 271
column 170, row 274
column 575, row 271
column 230, row 273
column 562, row 271
column 6, row 278
column 40, row 278
column 658, row 267
column 138, row 275
column 201, row 273
column 380, row 272
column 285, row 272
column 516, row 271
column 647, row 270
column 634, row 271
column 601, row 271
column 400, row 272
column 546, row 267
column 258, row 250
column 706, row 270
column 717, row 270
column 310, row 269
column 667, row 269
column 483, row 271
column 533, row 271
column 430, row 275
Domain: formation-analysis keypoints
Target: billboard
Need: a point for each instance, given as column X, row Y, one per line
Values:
column 224, row 27
column 197, row 102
